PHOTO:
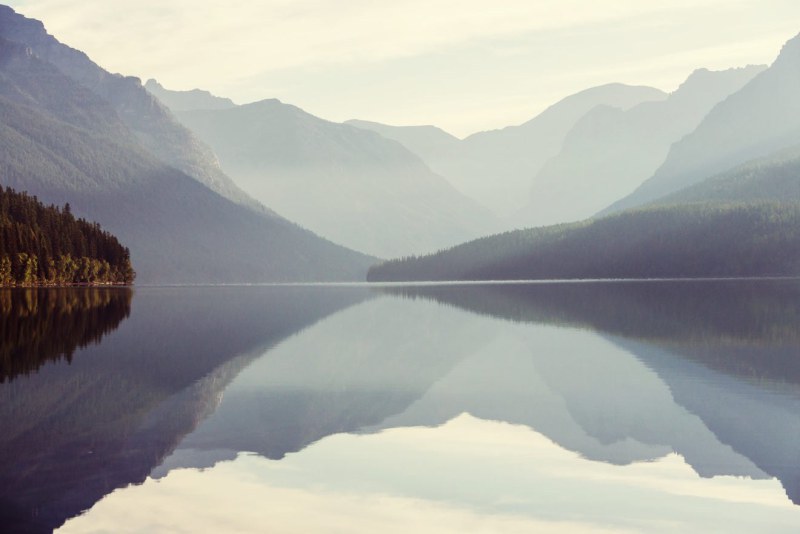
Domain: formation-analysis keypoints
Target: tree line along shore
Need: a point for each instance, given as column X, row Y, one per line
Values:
column 48, row 246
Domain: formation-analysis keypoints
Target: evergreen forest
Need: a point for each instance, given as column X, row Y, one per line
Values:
column 696, row 240
column 47, row 245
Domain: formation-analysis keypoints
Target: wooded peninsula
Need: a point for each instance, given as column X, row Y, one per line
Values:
column 47, row 246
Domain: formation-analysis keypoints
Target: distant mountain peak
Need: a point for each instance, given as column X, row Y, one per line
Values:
column 790, row 52
column 760, row 118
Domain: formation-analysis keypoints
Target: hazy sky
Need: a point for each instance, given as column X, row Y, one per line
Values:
column 464, row 65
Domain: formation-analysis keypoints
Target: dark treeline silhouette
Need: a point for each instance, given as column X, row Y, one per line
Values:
column 681, row 241
column 41, row 325
column 47, row 245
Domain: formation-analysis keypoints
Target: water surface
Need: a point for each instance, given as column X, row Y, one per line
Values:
column 635, row 406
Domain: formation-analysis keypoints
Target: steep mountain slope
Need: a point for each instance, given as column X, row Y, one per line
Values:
column 610, row 151
column 153, row 124
column 65, row 143
column 185, row 100
column 347, row 184
column 497, row 167
column 762, row 117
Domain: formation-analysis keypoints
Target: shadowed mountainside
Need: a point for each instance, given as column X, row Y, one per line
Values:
column 67, row 140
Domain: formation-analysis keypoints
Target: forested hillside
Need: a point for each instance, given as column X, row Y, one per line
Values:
column 45, row 245
column 679, row 241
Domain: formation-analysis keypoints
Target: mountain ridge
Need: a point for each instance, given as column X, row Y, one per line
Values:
column 350, row 185
column 65, row 143
column 610, row 151
column 153, row 124
column 761, row 118
column 187, row 100
column 496, row 167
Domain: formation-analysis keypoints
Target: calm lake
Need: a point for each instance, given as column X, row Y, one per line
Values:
column 563, row 407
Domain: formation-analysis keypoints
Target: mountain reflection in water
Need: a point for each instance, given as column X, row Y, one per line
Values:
column 79, row 428
column 618, row 372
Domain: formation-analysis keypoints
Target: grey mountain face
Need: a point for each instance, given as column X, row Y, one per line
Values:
column 761, row 118
column 610, row 151
column 65, row 142
column 775, row 178
column 497, row 167
column 428, row 142
column 346, row 184
column 186, row 100
column 153, row 124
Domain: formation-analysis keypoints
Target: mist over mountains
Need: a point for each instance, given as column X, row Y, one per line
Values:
column 351, row 186
column 699, row 215
column 72, row 132
column 497, row 167
column 204, row 190
column 611, row 151
column 761, row 118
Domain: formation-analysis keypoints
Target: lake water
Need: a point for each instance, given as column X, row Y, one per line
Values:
column 563, row 407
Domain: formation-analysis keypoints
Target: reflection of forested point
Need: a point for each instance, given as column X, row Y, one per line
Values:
column 41, row 325
column 746, row 328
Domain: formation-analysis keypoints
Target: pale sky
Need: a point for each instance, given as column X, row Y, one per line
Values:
column 463, row 65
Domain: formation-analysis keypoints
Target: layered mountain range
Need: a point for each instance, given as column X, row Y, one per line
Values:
column 496, row 167
column 761, row 118
column 725, row 202
column 611, row 151
column 198, row 186
column 354, row 187
column 74, row 133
